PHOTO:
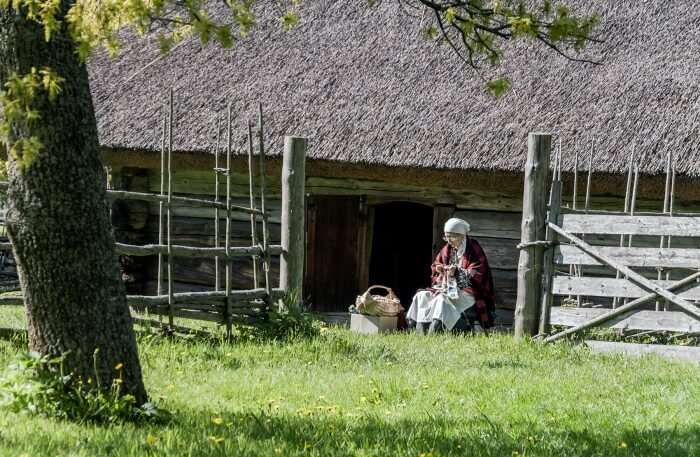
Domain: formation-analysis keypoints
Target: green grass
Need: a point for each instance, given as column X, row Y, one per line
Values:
column 397, row 395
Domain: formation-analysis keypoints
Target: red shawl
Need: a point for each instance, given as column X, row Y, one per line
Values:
column 481, row 281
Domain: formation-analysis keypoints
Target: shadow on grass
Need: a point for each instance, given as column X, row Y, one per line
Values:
column 328, row 434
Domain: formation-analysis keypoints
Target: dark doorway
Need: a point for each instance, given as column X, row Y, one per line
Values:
column 332, row 227
column 402, row 248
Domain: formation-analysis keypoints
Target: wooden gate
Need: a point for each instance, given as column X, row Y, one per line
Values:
column 626, row 270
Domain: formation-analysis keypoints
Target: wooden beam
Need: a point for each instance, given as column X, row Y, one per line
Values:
column 631, row 257
column 182, row 201
column 548, row 259
column 626, row 308
column 685, row 353
column 527, row 308
column 670, row 321
column 611, row 287
column 631, row 225
column 630, row 274
column 293, row 212
column 189, row 251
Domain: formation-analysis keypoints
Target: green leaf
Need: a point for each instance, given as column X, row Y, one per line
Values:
column 498, row 87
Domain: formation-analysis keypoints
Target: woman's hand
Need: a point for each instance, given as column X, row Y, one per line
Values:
column 451, row 270
column 439, row 268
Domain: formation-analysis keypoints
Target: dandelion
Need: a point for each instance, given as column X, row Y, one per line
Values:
column 307, row 446
column 623, row 445
column 217, row 420
column 278, row 451
column 170, row 386
column 119, row 366
column 216, row 439
column 151, row 440
column 427, row 454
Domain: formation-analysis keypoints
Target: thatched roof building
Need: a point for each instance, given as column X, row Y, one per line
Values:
column 366, row 89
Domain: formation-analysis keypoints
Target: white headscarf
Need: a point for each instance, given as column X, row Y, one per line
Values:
column 456, row 225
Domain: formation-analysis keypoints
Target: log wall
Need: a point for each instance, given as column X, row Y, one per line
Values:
column 493, row 212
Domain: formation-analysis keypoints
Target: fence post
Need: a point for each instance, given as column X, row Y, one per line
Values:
column 527, row 312
column 293, row 188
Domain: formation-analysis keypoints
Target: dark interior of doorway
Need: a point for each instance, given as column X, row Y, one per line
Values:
column 402, row 248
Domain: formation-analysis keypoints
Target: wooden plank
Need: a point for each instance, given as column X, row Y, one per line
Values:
column 671, row 321
column 441, row 213
column 189, row 251
column 632, row 275
column 631, row 257
column 611, row 287
column 631, row 225
column 492, row 224
column 683, row 353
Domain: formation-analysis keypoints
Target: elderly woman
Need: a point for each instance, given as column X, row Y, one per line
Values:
column 462, row 285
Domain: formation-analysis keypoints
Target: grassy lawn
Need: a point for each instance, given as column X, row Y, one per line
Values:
column 398, row 395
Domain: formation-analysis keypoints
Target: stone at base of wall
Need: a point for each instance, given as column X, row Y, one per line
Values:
column 371, row 325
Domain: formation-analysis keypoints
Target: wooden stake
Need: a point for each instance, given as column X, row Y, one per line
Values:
column 253, row 221
column 265, row 228
column 628, row 189
column 527, row 312
column 293, row 180
column 587, row 203
column 171, row 318
column 217, row 278
column 227, row 241
column 159, row 283
column 662, row 243
column 548, row 263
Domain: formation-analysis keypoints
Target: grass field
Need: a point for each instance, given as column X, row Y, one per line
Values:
column 398, row 395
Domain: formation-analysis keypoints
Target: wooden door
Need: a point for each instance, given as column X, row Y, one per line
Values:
column 332, row 227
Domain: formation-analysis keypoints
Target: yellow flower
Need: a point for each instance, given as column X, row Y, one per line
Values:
column 426, row 454
column 307, row 446
column 217, row 420
column 216, row 439
column 623, row 445
column 170, row 386
column 151, row 440
column 119, row 366
column 278, row 451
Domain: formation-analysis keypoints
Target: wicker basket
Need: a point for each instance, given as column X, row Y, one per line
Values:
column 378, row 305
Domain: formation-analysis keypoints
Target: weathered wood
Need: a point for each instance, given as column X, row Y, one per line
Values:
column 634, row 257
column 189, row 251
column 169, row 216
column 251, row 187
column 669, row 321
column 527, row 311
column 492, row 224
column 265, row 231
column 227, row 240
column 610, row 287
column 217, row 270
column 632, row 275
column 548, row 259
column 635, row 225
column 194, row 297
column 621, row 310
column 293, row 211
column 685, row 353
column 180, row 201
column 441, row 213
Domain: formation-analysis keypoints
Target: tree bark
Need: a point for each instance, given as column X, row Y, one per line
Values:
column 58, row 219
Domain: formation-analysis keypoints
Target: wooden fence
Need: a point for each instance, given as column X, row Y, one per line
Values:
column 222, row 305
column 581, row 268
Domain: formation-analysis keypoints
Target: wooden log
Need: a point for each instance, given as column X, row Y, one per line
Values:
column 633, row 257
column 253, row 223
column 611, row 287
column 263, row 203
column 171, row 317
column 631, row 225
column 227, row 240
column 180, row 201
column 195, row 297
column 632, row 275
column 293, row 208
column 217, row 270
column 621, row 310
column 189, row 251
column 685, row 353
column 660, row 321
column 527, row 311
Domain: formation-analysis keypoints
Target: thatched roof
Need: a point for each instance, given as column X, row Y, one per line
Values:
column 364, row 87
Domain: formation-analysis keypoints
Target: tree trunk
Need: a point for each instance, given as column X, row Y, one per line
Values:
column 58, row 219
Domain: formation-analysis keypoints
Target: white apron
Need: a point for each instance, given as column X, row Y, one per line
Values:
column 427, row 306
